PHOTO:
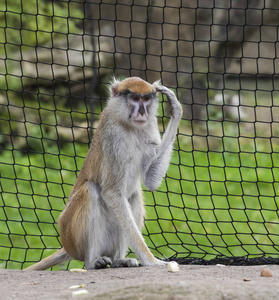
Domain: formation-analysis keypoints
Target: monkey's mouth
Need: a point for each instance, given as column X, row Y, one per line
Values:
column 140, row 121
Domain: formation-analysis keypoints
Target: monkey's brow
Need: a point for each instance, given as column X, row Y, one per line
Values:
column 128, row 92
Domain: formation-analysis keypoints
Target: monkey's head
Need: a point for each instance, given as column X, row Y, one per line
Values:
column 138, row 96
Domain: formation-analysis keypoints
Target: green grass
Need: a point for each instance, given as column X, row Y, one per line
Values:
column 210, row 203
column 215, row 206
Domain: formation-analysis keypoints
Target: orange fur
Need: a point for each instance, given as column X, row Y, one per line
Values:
column 136, row 85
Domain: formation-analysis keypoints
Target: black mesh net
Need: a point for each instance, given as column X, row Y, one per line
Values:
column 219, row 200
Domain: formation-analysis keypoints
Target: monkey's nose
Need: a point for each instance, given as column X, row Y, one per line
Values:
column 142, row 110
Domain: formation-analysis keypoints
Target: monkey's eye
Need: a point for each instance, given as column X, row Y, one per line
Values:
column 135, row 98
column 146, row 98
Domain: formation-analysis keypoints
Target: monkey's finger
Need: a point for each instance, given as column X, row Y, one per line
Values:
column 102, row 262
column 163, row 89
column 169, row 93
column 176, row 109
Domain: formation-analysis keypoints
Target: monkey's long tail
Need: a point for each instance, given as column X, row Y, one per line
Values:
column 56, row 258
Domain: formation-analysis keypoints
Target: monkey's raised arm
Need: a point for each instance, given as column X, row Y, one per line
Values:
column 158, row 164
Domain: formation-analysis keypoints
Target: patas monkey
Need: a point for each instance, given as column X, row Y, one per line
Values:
column 105, row 211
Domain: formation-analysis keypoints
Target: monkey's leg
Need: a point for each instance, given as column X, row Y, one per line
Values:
column 107, row 245
column 137, row 208
column 83, row 226
column 122, row 210
column 96, row 231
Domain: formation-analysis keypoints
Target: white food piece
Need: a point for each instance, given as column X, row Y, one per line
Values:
column 77, row 286
column 173, row 267
column 79, row 293
column 220, row 265
column 78, row 270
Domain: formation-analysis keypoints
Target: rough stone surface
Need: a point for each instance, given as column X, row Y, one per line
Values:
column 191, row 282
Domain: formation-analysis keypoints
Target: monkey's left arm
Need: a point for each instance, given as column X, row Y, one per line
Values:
column 158, row 164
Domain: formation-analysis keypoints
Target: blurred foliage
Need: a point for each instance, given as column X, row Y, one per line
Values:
column 31, row 116
column 36, row 22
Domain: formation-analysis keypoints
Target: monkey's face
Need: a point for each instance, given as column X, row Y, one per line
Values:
column 135, row 100
column 139, row 106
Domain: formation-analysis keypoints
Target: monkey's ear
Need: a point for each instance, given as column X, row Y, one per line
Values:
column 157, row 83
column 114, row 87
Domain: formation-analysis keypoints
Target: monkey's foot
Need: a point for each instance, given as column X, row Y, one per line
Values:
column 155, row 262
column 99, row 263
column 126, row 262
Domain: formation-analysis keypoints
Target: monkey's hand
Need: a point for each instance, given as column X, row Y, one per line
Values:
column 176, row 108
